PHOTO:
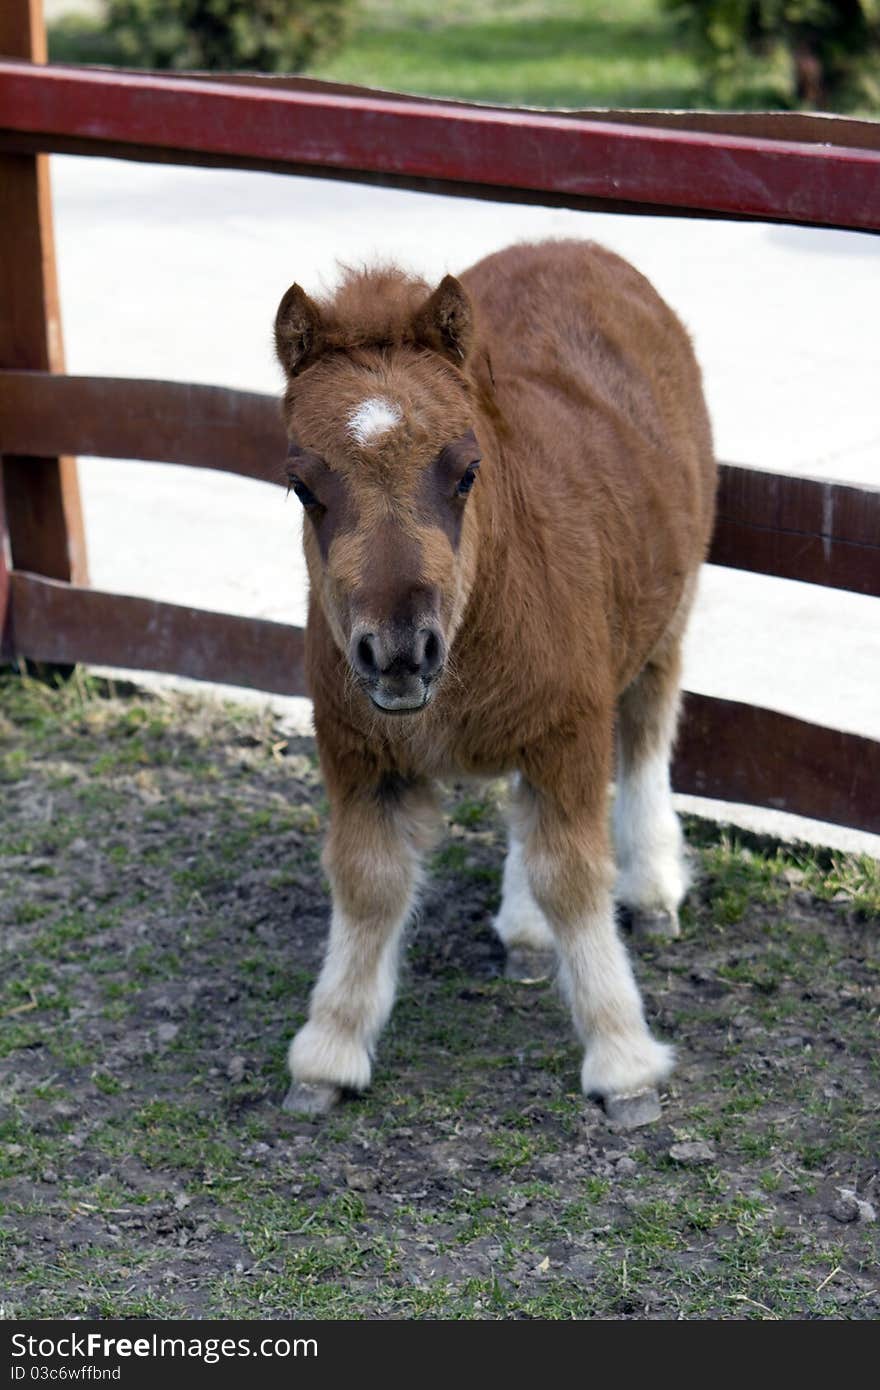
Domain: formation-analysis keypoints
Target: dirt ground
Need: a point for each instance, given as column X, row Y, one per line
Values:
column 162, row 913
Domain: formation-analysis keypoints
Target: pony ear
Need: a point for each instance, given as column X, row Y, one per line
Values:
column 299, row 331
column 445, row 321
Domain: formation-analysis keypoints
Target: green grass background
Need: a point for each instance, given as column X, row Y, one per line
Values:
column 552, row 53
column 524, row 52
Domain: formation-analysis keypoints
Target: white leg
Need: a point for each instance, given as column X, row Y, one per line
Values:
column 520, row 922
column 350, row 1004
column 570, row 872
column 372, row 858
column 647, row 835
column 621, row 1059
column 652, row 878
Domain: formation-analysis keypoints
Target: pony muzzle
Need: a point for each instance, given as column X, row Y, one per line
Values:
column 397, row 666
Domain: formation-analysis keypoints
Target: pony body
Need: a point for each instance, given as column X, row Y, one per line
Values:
column 509, row 488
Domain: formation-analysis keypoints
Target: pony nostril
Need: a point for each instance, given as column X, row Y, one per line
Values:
column 364, row 656
column 376, row 657
column 432, row 654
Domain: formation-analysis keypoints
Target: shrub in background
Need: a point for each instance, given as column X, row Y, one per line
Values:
column 213, row 35
column 832, row 47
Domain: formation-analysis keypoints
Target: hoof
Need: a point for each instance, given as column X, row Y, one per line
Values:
column 651, row 924
column 629, row 1112
column 305, row 1099
column 529, row 965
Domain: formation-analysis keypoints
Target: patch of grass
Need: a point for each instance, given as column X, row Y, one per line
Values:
column 569, row 53
column 851, row 879
column 451, row 859
column 108, row 1085
column 70, row 929
column 473, row 812
column 13, row 766
column 514, row 1149
column 736, row 878
column 91, row 1281
column 26, row 912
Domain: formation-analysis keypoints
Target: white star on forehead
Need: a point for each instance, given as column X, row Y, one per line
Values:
column 372, row 418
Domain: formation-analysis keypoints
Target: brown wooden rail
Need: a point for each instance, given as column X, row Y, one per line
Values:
column 727, row 751
column 160, row 421
column 63, row 624
column 795, row 528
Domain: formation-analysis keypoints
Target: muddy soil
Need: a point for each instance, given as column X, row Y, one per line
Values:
column 162, row 915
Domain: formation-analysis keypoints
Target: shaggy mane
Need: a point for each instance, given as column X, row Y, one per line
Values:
column 372, row 307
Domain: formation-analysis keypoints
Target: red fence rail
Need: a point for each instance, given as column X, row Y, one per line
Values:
column 488, row 152
column 798, row 169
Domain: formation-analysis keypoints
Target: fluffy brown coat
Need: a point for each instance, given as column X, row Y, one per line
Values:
column 561, row 588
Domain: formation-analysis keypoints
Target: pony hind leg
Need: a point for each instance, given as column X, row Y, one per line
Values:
column 652, row 877
column 530, row 953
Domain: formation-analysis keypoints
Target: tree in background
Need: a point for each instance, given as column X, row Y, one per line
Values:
column 254, row 35
column 832, row 46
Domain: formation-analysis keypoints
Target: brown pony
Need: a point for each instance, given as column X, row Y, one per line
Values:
column 508, row 488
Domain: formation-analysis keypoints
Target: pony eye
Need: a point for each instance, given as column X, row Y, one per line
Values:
column 468, row 480
column 307, row 498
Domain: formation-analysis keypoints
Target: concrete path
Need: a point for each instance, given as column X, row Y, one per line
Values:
column 176, row 273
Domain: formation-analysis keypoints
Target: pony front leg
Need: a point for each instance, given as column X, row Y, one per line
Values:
column 571, row 875
column 372, row 858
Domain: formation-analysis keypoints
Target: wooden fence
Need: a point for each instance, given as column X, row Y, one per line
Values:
column 819, row 171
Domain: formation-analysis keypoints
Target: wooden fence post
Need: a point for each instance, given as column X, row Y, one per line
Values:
column 6, row 649
column 44, row 527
